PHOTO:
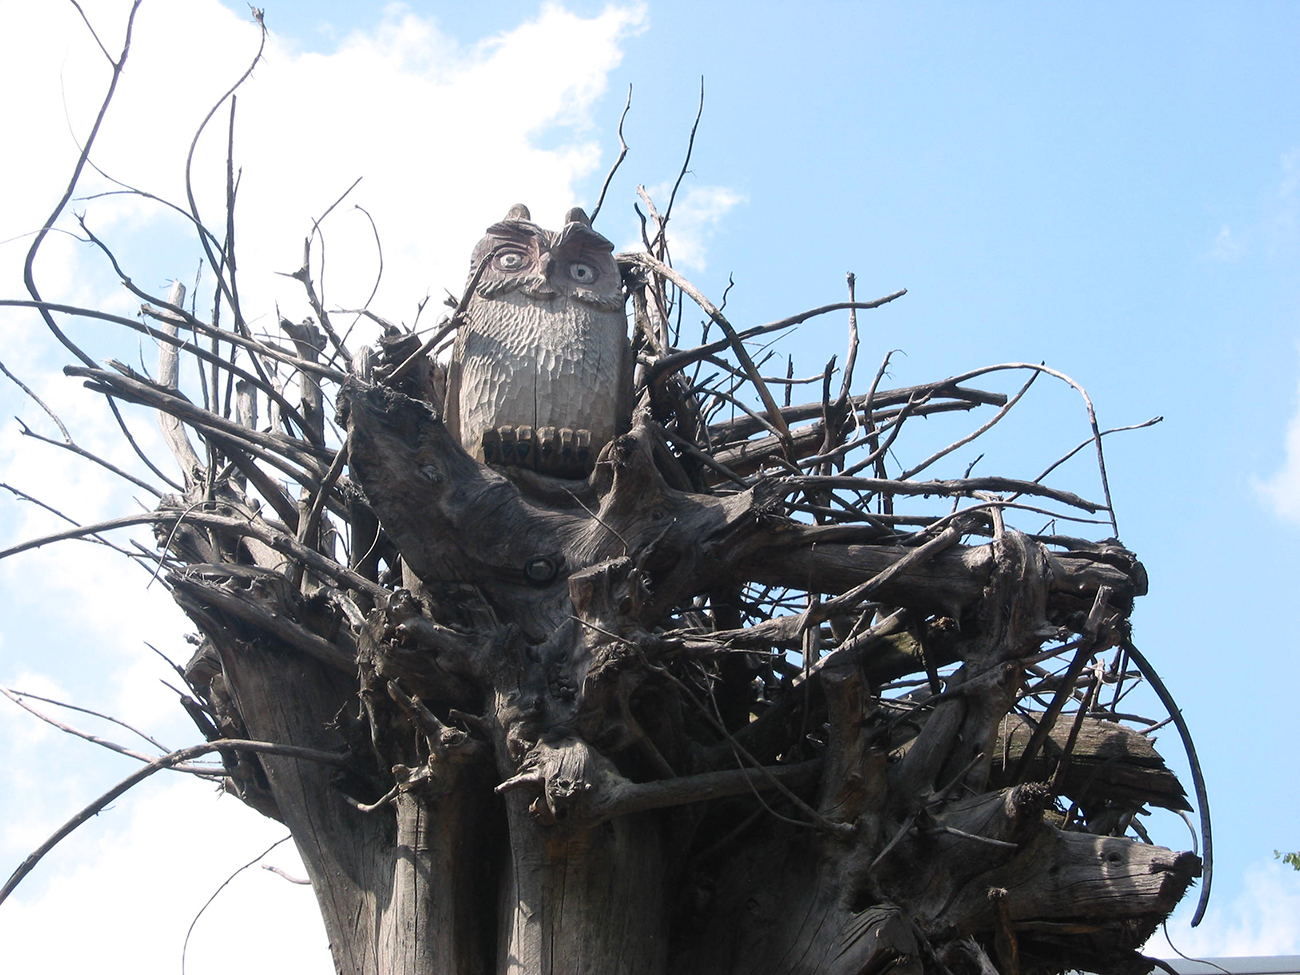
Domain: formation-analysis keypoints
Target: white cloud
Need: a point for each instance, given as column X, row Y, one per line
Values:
column 135, row 877
column 446, row 135
column 442, row 134
column 1285, row 205
column 16, row 726
column 1276, row 230
column 1227, row 247
column 1281, row 491
column 695, row 215
column 1263, row 920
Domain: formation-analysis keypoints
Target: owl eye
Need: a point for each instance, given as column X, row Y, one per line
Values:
column 582, row 273
column 510, row 261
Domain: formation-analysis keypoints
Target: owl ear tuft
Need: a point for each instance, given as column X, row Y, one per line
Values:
column 519, row 212
column 578, row 215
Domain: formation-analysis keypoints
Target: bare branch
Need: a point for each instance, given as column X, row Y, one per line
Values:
column 169, row 761
column 224, row 286
column 29, row 278
column 622, row 154
column 659, row 241
column 185, row 945
column 18, row 698
column 681, row 359
column 737, row 344
column 67, row 437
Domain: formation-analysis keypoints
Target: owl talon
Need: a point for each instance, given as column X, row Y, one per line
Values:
column 582, row 449
column 524, row 453
column 507, row 445
column 565, row 459
column 562, row 452
column 548, row 446
column 558, row 451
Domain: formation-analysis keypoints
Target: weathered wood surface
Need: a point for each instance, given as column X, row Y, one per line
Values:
column 571, row 743
column 539, row 785
column 643, row 722
column 719, row 708
column 1108, row 762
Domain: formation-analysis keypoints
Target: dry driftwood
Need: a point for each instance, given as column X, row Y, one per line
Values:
column 718, row 708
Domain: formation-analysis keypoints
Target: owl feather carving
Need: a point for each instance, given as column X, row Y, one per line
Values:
column 541, row 372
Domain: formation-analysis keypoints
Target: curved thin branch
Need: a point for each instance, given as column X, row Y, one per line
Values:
column 690, row 149
column 303, row 277
column 1092, row 418
column 67, row 437
column 652, row 263
column 682, row 359
column 157, row 765
column 224, row 286
column 17, row 698
column 1105, row 433
column 954, row 487
column 29, row 277
column 1198, row 777
column 622, row 154
column 364, row 310
column 94, row 458
column 185, row 946
column 913, row 471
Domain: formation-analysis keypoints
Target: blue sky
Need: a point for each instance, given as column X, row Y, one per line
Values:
column 1111, row 188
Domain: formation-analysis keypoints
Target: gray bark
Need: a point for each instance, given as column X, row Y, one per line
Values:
column 574, row 743
column 562, row 799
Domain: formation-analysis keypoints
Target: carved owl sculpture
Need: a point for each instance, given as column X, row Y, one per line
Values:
column 541, row 372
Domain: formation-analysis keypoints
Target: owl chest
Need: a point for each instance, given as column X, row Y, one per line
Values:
column 539, row 363
column 523, row 339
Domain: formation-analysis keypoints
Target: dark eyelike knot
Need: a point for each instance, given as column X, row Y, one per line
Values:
column 541, row 571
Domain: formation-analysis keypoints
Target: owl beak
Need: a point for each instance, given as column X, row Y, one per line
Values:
column 543, row 290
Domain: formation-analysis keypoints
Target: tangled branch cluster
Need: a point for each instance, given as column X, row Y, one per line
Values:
column 747, row 619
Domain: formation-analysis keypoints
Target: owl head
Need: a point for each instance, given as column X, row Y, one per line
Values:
column 575, row 262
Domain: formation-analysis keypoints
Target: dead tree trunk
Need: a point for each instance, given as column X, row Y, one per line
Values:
column 723, row 707
column 645, row 834
column 673, row 718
